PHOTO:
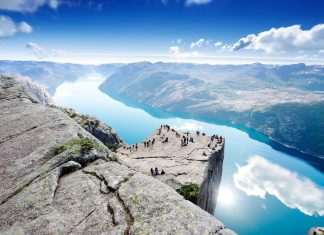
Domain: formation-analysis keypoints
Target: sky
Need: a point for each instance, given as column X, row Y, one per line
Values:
column 199, row 31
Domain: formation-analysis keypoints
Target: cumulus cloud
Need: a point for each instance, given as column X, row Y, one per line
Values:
column 27, row 5
column 43, row 53
column 243, row 42
column 176, row 52
column 197, row 2
column 261, row 177
column 199, row 43
column 284, row 39
column 218, row 44
column 9, row 28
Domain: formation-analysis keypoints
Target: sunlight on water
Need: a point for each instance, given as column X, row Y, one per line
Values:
column 225, row 197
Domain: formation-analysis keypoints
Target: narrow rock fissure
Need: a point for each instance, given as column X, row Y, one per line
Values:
column 188, row 155
column 17, row 134
column 80, row 222
column 56, row 187
column 111, row 211
column 123, row 181
column 21, row 188
column 128, row 216
column 164, row 157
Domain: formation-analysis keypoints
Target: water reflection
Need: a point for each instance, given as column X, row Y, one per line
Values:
column 260, row 177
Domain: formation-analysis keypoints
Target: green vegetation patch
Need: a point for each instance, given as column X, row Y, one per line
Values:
column 190, row 192
column 71, row 113
column 84, row 121
column 85, row 145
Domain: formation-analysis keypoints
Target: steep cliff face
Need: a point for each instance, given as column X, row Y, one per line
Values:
column 208, row 192
column 56, row 178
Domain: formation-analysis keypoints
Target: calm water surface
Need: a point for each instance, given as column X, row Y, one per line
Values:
column 263, row 191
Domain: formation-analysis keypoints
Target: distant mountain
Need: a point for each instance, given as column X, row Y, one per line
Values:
column 286, row 103
column 51, row 75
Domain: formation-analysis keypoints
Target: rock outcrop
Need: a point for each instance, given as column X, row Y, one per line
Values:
column 197, row 162
column 56, row 178
column 316, row 231
column 94, row 126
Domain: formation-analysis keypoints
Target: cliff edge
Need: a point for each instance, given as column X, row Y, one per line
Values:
column 56, row 178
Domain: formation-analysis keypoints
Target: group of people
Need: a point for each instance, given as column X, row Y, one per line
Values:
column 132, row 147
column 149, row 143
column 219, row 139
column 186, row 139
column 156, row 172
column 167, row 127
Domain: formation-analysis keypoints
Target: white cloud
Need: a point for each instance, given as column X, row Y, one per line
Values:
column 199, row 43
column 284, row 39
column 176, row 52
column 261, row 177
column 25, row 28
column 9, row 28
column 197, row 2
column 243, row 42
column 188, row 126
column 43, row 53
column 27, row 5
column 218, row 44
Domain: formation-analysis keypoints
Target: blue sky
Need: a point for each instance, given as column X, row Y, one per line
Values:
column 207, row 31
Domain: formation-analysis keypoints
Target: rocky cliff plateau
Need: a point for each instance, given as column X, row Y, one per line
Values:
column 57, row 178
column 197, row 162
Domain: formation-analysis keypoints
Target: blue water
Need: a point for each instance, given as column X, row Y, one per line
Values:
column 263, row 190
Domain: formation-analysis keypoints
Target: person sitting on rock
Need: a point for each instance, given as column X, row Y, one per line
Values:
column 156, row 171
column 162, row 172
column 136, row 147
column 152, row 172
